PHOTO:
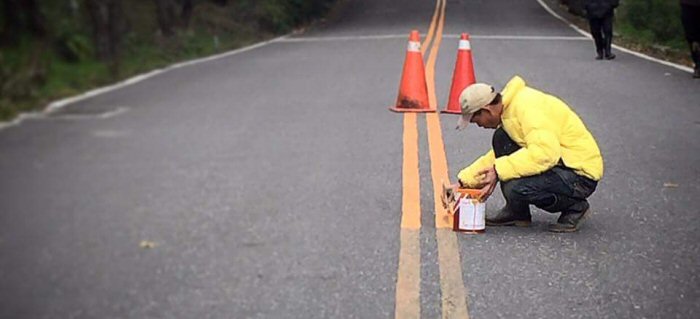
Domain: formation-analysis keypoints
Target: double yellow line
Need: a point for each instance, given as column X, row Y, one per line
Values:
column 454, row 303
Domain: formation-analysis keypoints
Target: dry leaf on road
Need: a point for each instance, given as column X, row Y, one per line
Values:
column 147, row 244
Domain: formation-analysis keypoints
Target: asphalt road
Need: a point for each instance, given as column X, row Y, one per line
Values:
column 268, row 183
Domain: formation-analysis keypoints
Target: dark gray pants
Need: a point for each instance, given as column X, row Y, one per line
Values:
column 602, row 32
column 559, row 189
column 690, row 17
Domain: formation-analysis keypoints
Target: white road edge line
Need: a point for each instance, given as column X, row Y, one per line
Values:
column 641, row 55
column 449, row 36
column 519, row 37
column 100, row 116
column 53, row 106
column 348, row 38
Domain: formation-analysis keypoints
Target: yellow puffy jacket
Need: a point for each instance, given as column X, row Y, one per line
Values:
column 546, row 130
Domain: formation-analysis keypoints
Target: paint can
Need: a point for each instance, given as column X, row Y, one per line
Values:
column 470, row 215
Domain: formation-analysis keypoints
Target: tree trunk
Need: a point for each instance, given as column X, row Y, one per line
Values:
column 186, row 12
column 36, row 23
column 20, row 16
column 108, row 26
column 12, row 22
column 166, row 10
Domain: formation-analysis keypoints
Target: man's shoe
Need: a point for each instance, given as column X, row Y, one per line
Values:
column 599, row 55
column 569, row 222
column 609, row 56
column 504, row 217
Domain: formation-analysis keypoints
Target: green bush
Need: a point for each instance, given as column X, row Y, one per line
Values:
column 304, row 10
column 654, row 21
column 74, row 47
column 273, row 15
column 35, row 68
column 282, row 15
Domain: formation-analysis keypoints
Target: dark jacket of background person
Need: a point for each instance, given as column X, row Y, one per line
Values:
column 690, row 18
column 601, row 8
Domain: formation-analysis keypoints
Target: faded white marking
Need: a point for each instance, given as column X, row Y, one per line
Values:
column 99, row 116
column 141, row 77
column 110, row 133
column 526, row 37
column 20, row 118
column 635, row 53
column 347, row 38
column 450, row 36
column 61, row 103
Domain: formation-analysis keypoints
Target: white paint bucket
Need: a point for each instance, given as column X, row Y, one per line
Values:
column 470, row 216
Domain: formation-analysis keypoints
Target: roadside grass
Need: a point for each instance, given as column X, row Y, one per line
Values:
column 670, row 49
column 62, row 78
column 646, row 37
column 34, row 73
column 653, row 27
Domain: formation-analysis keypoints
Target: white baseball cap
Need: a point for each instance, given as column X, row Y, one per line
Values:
column 473, row 98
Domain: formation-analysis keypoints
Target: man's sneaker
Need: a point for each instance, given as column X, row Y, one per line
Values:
column 504, row 217
column 569, row 222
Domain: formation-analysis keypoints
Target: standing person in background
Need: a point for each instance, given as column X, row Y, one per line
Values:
column 600, row 15
column 690, row 16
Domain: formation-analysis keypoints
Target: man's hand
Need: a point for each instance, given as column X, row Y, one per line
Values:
column 448, row 196
column 489, row 182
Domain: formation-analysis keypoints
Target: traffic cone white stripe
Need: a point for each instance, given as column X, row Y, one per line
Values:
column 413, row 46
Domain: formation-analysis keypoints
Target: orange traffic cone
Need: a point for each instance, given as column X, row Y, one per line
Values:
column 463, row 75
column 413, row 92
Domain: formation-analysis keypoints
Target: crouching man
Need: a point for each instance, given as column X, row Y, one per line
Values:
column 542, row 154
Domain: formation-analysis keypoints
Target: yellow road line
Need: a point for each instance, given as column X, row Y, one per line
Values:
column 410, row 217
column 454, row 302
column 454, row 293
column 438, row 160
column 431, row 30
column 408, row 274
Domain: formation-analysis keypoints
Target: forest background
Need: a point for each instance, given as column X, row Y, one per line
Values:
column 51, row 49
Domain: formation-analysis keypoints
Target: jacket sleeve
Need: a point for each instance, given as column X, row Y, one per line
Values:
column 468, row 176
column 541, row 152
